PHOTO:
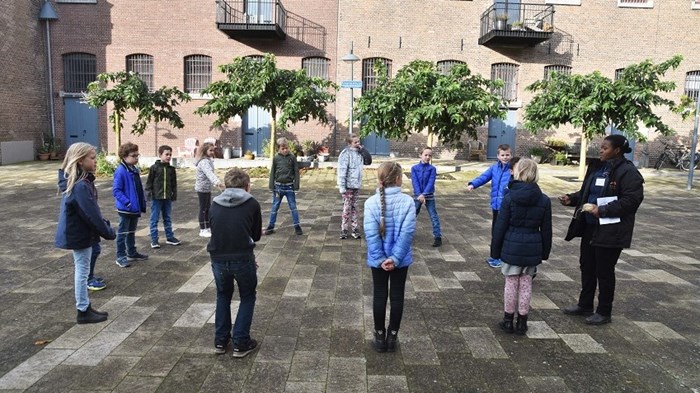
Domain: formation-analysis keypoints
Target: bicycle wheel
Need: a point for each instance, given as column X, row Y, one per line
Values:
column 660, row 162
column 685, row 161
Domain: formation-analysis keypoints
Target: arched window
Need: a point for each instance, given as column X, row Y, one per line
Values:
column 558, row 68
column 369, row 78
column 692, row 85
column 444, row 66
column 255, row 57
column 508, row 73
column 79, row 69
column 142, row 64
column 316, row 67
column 197, row 73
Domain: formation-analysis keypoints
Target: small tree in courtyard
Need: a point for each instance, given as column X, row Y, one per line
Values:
column 251, row 82
column 593, row 102
column 421, row 97
column 129, row 92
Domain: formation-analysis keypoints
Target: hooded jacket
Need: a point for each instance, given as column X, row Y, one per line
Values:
column 423, row 179
column 127, row 190
column 399, row 228
column 162, row 181
column 236, row 224
column 349, row 169
column 499, row 176
column 522, row 235
column 80, row 222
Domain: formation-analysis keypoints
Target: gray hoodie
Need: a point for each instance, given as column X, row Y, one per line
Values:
column 232, row 197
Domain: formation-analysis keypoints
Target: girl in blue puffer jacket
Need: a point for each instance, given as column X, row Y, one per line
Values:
column 389, row 224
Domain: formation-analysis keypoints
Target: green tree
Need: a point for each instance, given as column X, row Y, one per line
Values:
column 421, row 97
column 129, row 92
column 593, row 102
column 251, row 82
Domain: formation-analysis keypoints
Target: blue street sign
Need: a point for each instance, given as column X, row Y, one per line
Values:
column 351, row 84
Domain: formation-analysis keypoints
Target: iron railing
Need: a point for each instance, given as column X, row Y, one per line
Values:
column 519, row 17
column 252, row 14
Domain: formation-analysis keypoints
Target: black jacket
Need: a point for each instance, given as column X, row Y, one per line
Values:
column 625, row 182
column 284, row 170
column 236, row 224
column 162, row 181
column 522, row 235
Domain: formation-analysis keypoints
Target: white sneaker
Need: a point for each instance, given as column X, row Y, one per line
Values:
column 205, row 233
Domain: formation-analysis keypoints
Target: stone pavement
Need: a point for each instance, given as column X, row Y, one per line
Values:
column 313, row 314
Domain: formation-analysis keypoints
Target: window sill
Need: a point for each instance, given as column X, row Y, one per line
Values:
column 649, row 4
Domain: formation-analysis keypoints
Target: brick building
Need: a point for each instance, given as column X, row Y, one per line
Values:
column 181, row 43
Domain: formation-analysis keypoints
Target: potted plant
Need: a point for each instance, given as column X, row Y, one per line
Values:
column 249, row 155
column 309, row 148
column 43, row 152
column 536, row 153
column 500, row 21
column 518, row 26
column 560, row 158
column 555, row 144
column 55, row 148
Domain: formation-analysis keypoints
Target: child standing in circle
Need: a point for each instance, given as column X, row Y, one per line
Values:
column 80, row 223
column 130, row 201
column 423, row 177
column 161, row 187
column 499, row 176
column 522, row 238
column 350, row 163
column 284, row 181
column 389, row 224
column 204, row 179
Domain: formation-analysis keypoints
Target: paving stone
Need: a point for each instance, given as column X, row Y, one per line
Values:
column 387, row 383
column 32, row 369
column 276, row 349
column 582, row 343
column 540, row 301
column 346, row 375
column 76, row 336
column 196, row 315
column 305, row 387
column 92, row 353
column 540, row 330
column 659, row 331
column 467, row 276
column 267, row 377
column 199, row 281
column 555, row 276
column 448, row 283
column 543, row 384
column 423, row 283
column 157, row 362
column 482, row 343
column 309, row 366
column 138, row 384
column 130, row 320
column 108, row 374
column 298, row 287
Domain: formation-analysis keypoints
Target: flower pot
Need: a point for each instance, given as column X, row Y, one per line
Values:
column 322, row 157
column 248, row 156
column 499, row 24
column 44, row 156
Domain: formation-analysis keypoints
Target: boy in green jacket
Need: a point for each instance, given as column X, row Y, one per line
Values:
column 284, row 181
column 161, row 189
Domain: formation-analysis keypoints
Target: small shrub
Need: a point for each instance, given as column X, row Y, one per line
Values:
column 258, row 172
column 106, row 165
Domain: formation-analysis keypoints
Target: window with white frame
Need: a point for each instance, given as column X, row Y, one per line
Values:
column 695, row 4
column 141, row 64
column 692, row 85
column 197, row 73
column 316, row 67
column 635, row 3
column 257, row 58
column 558, row 68
column 508, row 73
column 369, row 77
column 79, row 69
column 618, row 73
column 444, row 66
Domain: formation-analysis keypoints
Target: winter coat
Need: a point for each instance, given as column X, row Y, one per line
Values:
column 498, row 174
column 162, row 181
column 522, row 235
column 399, row 227
column 626, row 183
column 80, row 222
column 349, row 169
column 285, row 170
column 236, row 224
column 423, row 179
column 127, row 190
column 205, row 178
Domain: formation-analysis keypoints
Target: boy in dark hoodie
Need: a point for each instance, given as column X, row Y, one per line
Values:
column 161, row 188
column 236, row 224
column 284, row 181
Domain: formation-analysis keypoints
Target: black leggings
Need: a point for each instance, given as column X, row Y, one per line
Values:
column 381, row 279
column 204, row 205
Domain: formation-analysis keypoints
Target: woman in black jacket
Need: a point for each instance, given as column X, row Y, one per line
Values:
column 604, row 219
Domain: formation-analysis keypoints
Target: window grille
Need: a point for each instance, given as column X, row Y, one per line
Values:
column 197, row 73
column 508, row 73
column 560, row 69
column 369, row 77
column 79, row 69
column 444, row 66
column 142, row 65
column 618, row 74
column 692, row 85
column 635, row 3
column 316, row 67
column 257, row 58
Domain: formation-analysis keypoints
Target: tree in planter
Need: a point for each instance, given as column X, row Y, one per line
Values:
column 251, row 82
column 421, row 97
column 593, row 102
column 129, row 92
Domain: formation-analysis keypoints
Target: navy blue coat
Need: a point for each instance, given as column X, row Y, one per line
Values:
column 523, row 232
column 80, row 223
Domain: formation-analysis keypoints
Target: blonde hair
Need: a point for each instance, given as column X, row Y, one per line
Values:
column 526, row 170
column 282, row 141
column 71, row 164
column 388, row 175
column 202, row 151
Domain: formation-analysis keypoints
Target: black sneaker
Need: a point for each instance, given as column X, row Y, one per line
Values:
column 343, row 234
column 356, row 235
column 269, row 231
column 90, row 316
column 297, row 230
column 220, row 348
column 437, row 242
column 243, row 349
column 392, row 338
column 173, row 241
column 137, row 256
column 155, row 244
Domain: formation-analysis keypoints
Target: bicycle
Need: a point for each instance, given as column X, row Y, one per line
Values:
column 678, row 156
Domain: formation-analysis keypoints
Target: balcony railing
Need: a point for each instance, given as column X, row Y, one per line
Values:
column 519, row 24
column 251, row 18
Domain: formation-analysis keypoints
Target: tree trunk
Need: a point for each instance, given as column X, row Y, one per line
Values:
column 430, row 137
column 273, row 130
column 117, row 130
column 582, row 159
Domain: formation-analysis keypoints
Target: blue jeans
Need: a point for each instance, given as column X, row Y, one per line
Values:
column 81, row 260
column 126, row 235
column 96, row 250
column 430, row 205
column 242, row 272
column 166, row 207
column 284, row 190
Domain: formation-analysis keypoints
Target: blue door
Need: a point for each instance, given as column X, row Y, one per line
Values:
column 256, row 129
column 376, row 144
column 501, row 132
column 80, row 122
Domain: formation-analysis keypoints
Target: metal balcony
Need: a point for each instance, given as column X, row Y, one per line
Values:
column 252, row 19
column 516, row 25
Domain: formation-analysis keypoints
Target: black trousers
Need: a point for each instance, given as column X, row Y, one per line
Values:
column 204, row 205
column 388, row 284
column 597, row 270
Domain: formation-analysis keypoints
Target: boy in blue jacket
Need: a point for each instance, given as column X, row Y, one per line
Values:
column 130, row 202
column 423, row 177
column 499, row 176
